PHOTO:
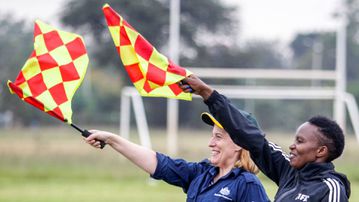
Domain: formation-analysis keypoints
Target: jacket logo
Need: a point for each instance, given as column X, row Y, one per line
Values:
column 225, row 191
column 302, row 197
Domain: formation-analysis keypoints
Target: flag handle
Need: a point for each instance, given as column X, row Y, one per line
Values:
column 86, row 133
column 183, row 82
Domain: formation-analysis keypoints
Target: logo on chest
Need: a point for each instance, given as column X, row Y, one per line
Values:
column 302, row 197
column 223, row 193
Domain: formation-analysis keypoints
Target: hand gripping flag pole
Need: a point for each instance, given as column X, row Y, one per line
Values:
column 150, row 72
column 53, row 73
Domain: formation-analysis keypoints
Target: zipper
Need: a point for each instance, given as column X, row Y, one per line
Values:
column 287, row 192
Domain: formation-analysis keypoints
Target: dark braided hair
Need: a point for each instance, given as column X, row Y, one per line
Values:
column 333, row 136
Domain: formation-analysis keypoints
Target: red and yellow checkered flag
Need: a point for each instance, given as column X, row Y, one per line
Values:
column 151, row 72
column 53, row 72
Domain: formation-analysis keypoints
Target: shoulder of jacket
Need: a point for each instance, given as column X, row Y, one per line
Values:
column 250, row 177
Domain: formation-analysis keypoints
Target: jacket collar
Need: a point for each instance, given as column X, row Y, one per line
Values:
column 315, row 170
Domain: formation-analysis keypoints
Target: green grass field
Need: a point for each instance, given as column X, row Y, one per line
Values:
column 55, row 164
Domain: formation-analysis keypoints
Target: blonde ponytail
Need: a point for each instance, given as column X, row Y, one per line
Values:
column 245, row 162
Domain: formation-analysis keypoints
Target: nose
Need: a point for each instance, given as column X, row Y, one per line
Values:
column 292, row 146
column 211, row 142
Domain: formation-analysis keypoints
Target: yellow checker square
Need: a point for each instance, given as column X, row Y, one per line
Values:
column 67, row 37
column 39, row 45
column 52, row 77
column 115, row 30
column 47, row 100
column 81, row 64
column 159, row 92
column 153, row 85
column 31, row 68
column 172, row 78
column 61, row 55
column 70, row 88
column 132, row 35
column 66, row 111
column 44, row 27
column 25, row 90
column 128, row 55
column 139, row 84
column 159, row 60
column 143, row 65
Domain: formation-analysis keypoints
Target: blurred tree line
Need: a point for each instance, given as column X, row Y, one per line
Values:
column 209, row 38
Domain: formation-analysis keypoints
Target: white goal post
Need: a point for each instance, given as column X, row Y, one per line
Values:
column 310, row 92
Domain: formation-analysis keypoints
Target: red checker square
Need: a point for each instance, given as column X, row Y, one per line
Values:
column 113, row 19
column 124, row 40
column 118, row 49
column 46, row 61
column 34, row 103
column 20, row 79
column 37, row 30
column 143, row 47
column 156, row 75
column 57, row 113
column 69, row 72
column 175, row 89
column 147, row 87
column 33, row 54
column 173, row 68
column 58, row 93
column 52, row 40
column 36, row 85
column 16, row 89
column 134, row 72
column 76, row 48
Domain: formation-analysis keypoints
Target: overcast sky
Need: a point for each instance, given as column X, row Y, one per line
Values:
column 260, row 19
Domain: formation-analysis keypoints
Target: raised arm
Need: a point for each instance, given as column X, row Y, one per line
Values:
column 143, row 157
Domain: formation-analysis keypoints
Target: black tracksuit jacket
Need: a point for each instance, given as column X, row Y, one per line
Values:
column 314, row 182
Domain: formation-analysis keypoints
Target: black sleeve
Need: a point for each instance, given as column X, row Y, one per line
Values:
column 245, row 132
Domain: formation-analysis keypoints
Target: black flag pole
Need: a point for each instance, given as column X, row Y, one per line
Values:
column 86, row 133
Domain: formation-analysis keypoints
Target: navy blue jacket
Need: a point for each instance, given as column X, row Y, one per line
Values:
column 314, row 182
column 196, row 180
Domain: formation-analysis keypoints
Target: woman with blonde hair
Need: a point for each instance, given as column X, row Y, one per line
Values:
column 228, row 175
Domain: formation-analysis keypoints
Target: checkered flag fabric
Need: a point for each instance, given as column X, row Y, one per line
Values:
column 53, row 72
column 151, row 72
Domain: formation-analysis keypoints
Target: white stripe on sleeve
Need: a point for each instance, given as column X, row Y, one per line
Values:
column 334, row 189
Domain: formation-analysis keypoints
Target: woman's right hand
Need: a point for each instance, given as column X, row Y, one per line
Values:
column 193, row 84
column 97, row 135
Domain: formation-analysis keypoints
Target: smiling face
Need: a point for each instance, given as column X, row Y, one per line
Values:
column 306, row 147
column 224, row 153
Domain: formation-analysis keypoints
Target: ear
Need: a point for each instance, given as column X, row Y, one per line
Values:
column 322, row 152
column 238, row 148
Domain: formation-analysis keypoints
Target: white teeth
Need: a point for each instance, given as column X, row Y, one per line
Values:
column 291, row 155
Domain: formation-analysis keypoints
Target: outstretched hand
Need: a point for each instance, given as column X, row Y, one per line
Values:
column 97, row 136
column 193, row 84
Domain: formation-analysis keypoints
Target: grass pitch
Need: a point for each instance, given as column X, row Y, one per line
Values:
column 55, row 164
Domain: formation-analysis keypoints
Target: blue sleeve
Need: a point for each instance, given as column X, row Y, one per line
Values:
column 245, row 132
column 177, row 172
column 252, row 190
column 254, row 193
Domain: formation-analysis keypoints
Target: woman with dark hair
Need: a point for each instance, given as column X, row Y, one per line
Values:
column 228, row 175
column 307, row 173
